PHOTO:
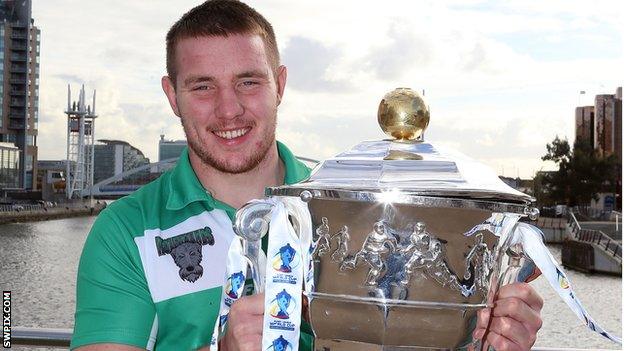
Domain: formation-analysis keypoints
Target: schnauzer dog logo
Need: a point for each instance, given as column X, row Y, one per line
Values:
column 186, row 251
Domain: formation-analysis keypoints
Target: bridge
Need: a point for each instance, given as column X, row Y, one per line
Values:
column 129, row 181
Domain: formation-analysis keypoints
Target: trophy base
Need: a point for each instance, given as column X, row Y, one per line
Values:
column 345, row 345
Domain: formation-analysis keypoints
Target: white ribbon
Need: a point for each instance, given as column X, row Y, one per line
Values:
column 284, row 278
column 531, row 239
column 302, row 214
column 235, row 276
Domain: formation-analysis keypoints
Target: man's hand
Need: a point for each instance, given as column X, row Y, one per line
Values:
column 515, row 318
column 244, row 326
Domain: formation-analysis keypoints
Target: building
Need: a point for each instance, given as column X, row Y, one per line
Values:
column 114, row 157
column 51, row 178
column 168, row 149
column 585, row 124
column 19, row 90
column 601, row 124
column 608, row 124
column 9, row 166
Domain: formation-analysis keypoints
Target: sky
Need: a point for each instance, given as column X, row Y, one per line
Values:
column 502, row 78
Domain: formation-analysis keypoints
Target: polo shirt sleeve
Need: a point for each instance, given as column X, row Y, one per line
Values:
column 113, row 303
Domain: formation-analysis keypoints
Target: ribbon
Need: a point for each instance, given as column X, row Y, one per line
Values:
column 283, row 285
column 235, row 276
column 531, row 239
column 300, row 211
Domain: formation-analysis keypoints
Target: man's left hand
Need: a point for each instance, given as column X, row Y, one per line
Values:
column 515, row 318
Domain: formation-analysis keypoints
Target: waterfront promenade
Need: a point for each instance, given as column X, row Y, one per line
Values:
column 40, row 212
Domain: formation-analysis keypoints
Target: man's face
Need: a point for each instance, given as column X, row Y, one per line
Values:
column 226, row 95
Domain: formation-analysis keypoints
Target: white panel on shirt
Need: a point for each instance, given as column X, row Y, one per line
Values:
column 163, row 278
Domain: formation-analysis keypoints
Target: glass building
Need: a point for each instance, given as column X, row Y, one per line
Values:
column 19, row 87
column 113, row 157
column 9, row 166
column 168, row 149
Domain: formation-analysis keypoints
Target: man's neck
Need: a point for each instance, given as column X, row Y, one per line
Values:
column 238, row 189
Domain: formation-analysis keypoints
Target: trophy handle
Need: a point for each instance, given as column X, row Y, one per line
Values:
column 520, row 266
column 252, row 224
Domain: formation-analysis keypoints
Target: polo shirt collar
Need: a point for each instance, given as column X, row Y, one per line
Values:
column 185, row 187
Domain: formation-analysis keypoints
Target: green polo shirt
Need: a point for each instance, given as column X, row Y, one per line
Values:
column 153, row 265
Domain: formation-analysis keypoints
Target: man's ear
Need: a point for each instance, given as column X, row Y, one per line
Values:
column 281, row 82
column 169, row 89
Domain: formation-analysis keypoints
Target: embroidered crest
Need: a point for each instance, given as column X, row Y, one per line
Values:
column 186, row 251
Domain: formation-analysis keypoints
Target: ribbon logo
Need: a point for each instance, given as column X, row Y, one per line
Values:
column 282, row 306
column 234, row 283
column 563, row 282
column 280, row 344
column 286, row 259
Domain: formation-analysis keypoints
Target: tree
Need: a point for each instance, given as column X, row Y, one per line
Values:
column 582, row 174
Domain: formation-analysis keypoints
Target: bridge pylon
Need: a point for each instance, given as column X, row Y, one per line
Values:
column 80, row 145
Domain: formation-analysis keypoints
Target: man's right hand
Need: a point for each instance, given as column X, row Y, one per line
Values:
column 244, row 326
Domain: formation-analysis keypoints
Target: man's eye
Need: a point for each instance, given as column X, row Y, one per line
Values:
column 249, row 83
column 201, row 87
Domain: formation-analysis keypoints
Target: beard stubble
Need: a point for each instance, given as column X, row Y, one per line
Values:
column 222, row 165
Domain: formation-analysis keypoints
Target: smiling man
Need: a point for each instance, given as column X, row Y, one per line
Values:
column 153, row 266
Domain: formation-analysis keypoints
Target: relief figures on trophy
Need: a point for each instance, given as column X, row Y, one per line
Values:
column 396, row 257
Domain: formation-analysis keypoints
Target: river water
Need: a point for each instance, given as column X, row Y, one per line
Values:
column 38, row 264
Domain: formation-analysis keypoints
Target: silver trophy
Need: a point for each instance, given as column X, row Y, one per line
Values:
column 409, row 240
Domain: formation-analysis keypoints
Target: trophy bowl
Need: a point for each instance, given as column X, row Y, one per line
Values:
column 408, row 241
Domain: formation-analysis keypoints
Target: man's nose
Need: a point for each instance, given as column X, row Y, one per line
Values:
column 229, row 105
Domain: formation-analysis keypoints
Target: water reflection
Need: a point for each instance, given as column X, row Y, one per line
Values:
column 39, row 262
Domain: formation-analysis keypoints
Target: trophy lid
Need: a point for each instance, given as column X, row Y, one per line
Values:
column 405, row 165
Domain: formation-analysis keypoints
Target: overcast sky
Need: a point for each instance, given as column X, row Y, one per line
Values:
column 502, row 78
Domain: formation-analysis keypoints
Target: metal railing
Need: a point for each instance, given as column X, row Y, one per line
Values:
column 41, row 337
column 550, row 222
column 40, row 207
column 594, row 236
column 591, row 213
column 20, row 207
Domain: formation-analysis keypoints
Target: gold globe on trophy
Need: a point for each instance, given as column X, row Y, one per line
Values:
column 403, row 115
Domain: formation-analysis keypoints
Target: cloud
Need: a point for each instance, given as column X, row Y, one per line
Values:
column 492, row 94
column 310, row 63
column 69, row 78
column 402, row 52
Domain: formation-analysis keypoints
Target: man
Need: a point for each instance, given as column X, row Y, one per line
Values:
column 225, row 83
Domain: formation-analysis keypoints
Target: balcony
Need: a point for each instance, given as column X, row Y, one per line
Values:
column 19, row 47
column 17, row 115
column 16, row 125
column 18, row 80
column 18, row 69
column 18, row 58
column 18, row 92
column 18, row 35
column 17, row 103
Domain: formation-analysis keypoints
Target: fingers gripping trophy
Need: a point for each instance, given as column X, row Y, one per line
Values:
column 407, row 241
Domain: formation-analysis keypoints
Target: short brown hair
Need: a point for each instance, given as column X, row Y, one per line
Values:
column 220, row 18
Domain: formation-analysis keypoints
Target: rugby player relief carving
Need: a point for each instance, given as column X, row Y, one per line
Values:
column 186, row 251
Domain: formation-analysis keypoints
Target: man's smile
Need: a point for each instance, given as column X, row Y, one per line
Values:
column 231, row 134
